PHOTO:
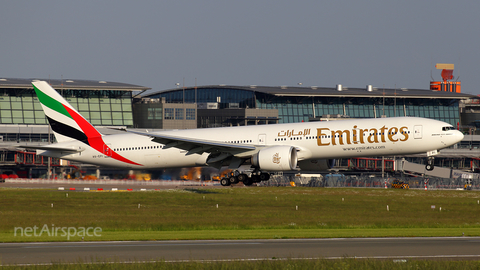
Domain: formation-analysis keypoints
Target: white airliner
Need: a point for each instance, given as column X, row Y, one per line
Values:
column 267, row 148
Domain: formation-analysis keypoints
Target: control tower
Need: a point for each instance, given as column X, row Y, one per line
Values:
column 447, row 84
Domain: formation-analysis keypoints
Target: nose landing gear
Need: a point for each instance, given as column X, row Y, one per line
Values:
column 430, row 164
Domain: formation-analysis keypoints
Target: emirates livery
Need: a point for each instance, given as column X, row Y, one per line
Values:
column 267, row 148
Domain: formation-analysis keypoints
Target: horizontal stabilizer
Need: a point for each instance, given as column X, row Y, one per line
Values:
column 51, row 148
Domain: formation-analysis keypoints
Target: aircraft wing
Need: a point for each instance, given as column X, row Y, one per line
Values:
column 196, row 146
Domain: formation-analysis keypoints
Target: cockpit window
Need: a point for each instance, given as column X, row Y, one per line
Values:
column 448, row 128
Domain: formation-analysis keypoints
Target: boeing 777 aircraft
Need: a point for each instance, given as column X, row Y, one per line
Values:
column 267, row 148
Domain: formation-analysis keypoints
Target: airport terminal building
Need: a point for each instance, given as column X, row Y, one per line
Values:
column 112, row 104
column 22, row 119
column 103, row 103
column 286, row 104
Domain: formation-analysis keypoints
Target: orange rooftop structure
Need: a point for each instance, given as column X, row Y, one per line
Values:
column 446, row 84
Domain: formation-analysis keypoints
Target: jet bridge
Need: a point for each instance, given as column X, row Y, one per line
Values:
column 440, row 172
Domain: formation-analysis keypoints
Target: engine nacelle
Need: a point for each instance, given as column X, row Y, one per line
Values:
column 276, row 158
column 316, row 164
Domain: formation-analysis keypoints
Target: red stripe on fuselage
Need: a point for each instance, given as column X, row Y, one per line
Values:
column 95, row 139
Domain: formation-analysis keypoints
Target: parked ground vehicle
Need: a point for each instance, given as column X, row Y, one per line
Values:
column 399, row 184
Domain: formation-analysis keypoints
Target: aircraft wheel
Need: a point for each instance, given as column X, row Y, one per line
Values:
column 248, row 181
column 225, row 182
column 241, row 177
column 264, row 176
column 256, row 178
column 429, row 167
column 233, row 180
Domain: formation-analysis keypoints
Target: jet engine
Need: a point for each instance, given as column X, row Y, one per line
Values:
column 276, row 158
column 316, row 164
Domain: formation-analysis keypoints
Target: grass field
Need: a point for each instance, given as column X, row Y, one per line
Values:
column 270, row 264
column 245, row 213
column 276, row 212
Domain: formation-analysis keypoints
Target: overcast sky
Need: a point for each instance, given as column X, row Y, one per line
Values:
column 251, row 42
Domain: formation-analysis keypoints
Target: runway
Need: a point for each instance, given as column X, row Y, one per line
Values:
column 127, row 251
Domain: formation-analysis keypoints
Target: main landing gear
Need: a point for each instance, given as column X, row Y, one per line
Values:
column 430, row 164
column 236, row 177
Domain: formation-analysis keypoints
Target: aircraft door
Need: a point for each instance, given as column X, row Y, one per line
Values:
column 417, row 132
column 107, row 151
column 262, row 139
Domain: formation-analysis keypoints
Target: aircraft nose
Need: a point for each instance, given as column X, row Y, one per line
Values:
column 460, row 135
column 455, row 137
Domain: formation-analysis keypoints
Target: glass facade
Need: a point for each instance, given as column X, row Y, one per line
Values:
column 244, row 98
column 309, row 104
column 298, row 109
column 293, row 109
column 98, row 107
column 179, row 113
column 190, row 114
column 169, row 113
column 21, row 110
column 154, row 113
column 25, row 137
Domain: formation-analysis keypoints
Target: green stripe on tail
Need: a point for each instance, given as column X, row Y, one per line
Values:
column 51, row 103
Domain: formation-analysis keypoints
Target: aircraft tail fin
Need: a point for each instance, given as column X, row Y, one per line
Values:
column 67, row 124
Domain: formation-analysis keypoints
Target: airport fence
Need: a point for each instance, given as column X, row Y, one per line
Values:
column 340, row 180
column 326, row 181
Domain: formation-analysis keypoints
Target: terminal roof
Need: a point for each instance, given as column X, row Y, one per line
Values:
column 315, row 91
column 72, row 84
